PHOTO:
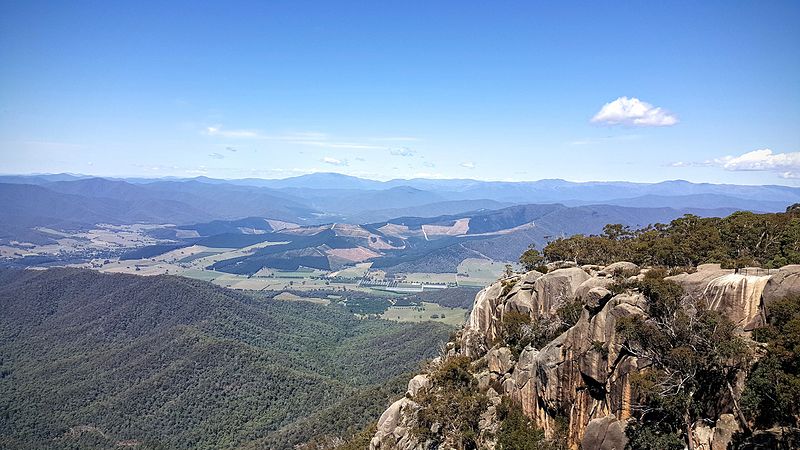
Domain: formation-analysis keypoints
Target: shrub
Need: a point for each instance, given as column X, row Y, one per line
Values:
column 569, row 313
column 695, row 355
column 772, row 391
column 739, row 240
column 518, row 432
column 451, row 409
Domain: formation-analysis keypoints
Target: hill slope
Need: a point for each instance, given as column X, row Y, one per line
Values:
column 91, row 360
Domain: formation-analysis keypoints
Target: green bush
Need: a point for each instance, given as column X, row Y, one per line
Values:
column 451, row 409
column 772, row 392
column 741, row 239
column 518, row 432
column 695, row 356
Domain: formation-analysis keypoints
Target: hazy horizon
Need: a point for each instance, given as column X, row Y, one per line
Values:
column 382, row 180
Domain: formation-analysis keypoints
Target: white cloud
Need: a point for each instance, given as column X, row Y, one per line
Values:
column 334, row 161
column 632, row 111
column 468, row 164
column 217, row 156
column 308, row 138
column 402, row 151
column 706, row 163
column 200, row 170
column 683, row 164
column 763, row 159
column 237, row 134
column 785, row 165
column 327, row 144
column 231, row 149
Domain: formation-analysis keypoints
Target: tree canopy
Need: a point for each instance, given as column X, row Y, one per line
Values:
column 741, row 239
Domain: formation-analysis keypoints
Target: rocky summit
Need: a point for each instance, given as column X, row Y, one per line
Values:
column 579, row 383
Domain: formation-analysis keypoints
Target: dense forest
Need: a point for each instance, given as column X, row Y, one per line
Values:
column 90, row 360
column 739, row 240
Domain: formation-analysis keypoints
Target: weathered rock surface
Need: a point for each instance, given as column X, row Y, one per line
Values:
column 484, row 317
column 556, row 288
column 784, row 283
column 591, row 269
column 394, row 426
column 737, row 296
column 596, row 298
column 500, row 360
column 695, row 283
column 560, row 265
column 535, row 294
column 604, row 433
column 625, row 268
column 723, row 432
column 416, row 384
column 591, row 283
column 529, row 278
column 584, row 374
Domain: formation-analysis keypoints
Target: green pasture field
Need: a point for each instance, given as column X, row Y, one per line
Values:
column 452, row 316
column 434, row 278
column 479, row 272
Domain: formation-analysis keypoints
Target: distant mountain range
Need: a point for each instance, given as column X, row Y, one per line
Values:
column 411, row 244
column 65, row 201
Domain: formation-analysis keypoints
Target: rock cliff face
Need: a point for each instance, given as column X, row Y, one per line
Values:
column 584, row 374
column 736, row 295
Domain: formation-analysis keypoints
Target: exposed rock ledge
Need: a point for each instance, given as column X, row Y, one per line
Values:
column 584, row 373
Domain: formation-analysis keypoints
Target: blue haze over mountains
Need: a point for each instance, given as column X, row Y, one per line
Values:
column 464, row 218
column 401, row 193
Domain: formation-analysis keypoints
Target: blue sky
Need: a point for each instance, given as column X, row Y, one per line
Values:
column 502, row 90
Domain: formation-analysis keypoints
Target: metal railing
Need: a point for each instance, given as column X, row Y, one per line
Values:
column 756, row 271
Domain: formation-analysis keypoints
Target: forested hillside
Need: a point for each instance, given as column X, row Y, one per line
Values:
column 89, row 360
column 738, row 240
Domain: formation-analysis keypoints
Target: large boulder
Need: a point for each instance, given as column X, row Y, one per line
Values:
column 522, row 296
column 726, row 427
column 394, row 427
column 520, row 300
column 621, row 268
column 694, row 284
column 529, row 278
column 591, row 283
column 596, row 298
column 737, row 297
column 599, row 343
column 500, row 360
column 604, row 433
column 556, row 288
column 784, row 283
column 484, row 317
column 416, row 384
